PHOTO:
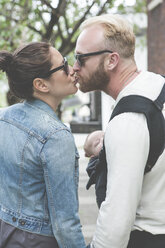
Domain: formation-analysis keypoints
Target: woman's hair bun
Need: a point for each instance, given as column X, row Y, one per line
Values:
column 5, row 60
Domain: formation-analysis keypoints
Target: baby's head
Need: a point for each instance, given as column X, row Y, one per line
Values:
column 93, row 143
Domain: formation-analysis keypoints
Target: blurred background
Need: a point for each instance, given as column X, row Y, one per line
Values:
column 58, row 21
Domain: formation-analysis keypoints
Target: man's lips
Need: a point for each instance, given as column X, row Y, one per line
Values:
column 76, row 79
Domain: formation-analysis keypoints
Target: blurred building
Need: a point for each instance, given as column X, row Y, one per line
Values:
column 156, row 36
column 94, row 120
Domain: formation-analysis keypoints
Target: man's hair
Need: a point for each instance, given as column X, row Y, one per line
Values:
column 118, row 33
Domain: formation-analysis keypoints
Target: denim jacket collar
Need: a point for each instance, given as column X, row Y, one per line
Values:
column 43, row 106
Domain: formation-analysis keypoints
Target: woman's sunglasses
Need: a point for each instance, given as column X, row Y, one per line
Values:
column 65, row 67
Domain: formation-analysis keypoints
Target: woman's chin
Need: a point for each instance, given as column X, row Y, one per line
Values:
column 75, row 88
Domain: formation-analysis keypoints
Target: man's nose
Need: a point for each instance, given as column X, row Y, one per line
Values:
column 76, row 66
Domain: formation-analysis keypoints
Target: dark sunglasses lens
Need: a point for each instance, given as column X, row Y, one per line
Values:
column 66, row 67
column 77, row 57
column 79, row 60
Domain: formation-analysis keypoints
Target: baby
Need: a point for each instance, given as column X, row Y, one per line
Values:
column 93, row 143
column 97, row 175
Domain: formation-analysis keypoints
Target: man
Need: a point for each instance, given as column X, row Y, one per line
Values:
column 134, row 201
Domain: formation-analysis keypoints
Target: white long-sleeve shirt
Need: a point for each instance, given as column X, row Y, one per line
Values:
column 133, row 200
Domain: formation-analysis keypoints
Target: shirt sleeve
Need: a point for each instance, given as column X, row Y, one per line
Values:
column 60, row 164
column 127, row 148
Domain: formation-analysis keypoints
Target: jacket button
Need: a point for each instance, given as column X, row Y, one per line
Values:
column 22, row 222
column 14, row 219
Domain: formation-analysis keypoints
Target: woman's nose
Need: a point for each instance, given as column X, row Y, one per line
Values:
column 71, row 71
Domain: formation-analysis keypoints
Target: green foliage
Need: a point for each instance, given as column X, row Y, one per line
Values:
column 58, row 22
column 140, row 6
column 22, row 21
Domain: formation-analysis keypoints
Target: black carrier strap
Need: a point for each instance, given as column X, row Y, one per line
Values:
column 155, row 121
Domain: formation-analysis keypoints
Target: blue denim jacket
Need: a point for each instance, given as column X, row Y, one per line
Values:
column 39, row 173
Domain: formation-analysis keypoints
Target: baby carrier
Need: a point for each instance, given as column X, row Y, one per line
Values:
column 156, row 126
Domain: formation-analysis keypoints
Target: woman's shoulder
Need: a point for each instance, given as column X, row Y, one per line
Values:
column 33, row 121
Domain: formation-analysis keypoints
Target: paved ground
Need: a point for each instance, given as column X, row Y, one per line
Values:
column 87, row 204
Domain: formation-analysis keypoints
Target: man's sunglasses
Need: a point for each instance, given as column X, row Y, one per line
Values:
column 80, row 57
column 64, row 67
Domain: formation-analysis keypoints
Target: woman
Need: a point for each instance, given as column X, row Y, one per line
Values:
column 38, row 157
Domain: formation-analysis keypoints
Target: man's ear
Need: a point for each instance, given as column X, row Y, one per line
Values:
column 40, row 85
column 113, row 61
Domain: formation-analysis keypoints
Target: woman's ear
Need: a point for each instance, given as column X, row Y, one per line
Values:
column 113, row 60
column 40, row 85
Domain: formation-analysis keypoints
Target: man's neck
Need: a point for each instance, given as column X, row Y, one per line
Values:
column 120, row 78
